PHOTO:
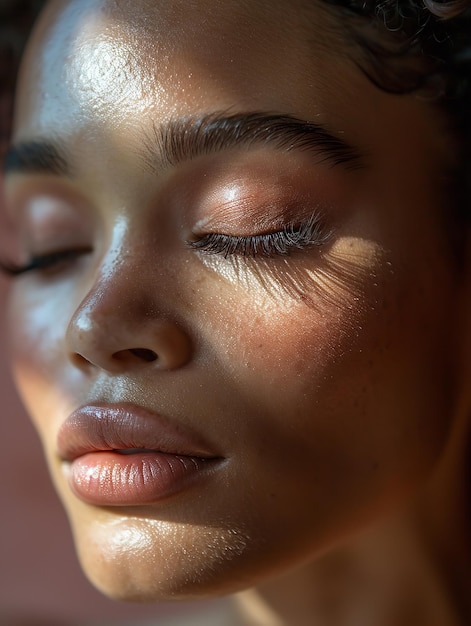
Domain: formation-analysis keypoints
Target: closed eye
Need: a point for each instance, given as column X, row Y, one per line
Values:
column 51, row 261
column 283, row 242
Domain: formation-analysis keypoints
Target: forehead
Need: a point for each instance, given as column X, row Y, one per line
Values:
column 115, row 61
column 102, row 75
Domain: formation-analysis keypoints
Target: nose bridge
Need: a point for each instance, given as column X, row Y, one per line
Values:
column 106, row 316
column 115, row 289
column 120, row 321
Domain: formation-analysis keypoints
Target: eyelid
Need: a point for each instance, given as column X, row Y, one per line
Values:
column 49, row 229
column 292, row 237
column 267, row 209
column 37, row 200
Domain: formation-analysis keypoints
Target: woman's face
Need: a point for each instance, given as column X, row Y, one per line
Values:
column 249, row 308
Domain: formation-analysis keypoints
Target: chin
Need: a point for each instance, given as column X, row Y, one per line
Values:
column 134, row 559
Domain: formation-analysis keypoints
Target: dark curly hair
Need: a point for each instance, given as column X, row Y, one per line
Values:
column 410, row 45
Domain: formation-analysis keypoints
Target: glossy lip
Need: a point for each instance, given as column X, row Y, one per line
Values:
column 124, row 455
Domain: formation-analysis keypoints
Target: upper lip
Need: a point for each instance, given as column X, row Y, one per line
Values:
column 125, row 426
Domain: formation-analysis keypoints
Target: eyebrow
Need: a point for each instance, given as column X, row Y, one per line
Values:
column 36, row 157
column 187, row 138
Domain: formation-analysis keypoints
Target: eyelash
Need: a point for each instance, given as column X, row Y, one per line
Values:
column 292, row 237
column 44, row 262
column 279, row 243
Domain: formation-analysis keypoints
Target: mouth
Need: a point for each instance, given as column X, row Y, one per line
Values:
column 123, row 455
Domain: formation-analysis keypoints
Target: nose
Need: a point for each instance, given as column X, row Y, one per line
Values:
column 119, row 329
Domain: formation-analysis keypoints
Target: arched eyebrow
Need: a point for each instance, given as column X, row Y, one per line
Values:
column 187, row 138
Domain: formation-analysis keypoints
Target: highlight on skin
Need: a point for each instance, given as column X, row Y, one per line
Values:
column 262, row 265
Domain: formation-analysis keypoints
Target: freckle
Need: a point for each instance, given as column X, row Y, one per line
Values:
column 260, row 345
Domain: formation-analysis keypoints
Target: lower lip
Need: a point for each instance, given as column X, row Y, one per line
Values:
column 114, row 479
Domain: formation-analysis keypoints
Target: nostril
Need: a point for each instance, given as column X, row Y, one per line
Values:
column 144, row 354
column 79, row 361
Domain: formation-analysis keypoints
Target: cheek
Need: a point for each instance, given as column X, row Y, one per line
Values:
column 351, row 384
column 38, row 322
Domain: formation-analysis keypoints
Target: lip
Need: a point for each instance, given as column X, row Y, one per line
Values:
column 124, row 455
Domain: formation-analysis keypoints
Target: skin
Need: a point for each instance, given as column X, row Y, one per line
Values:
column 329, row 380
